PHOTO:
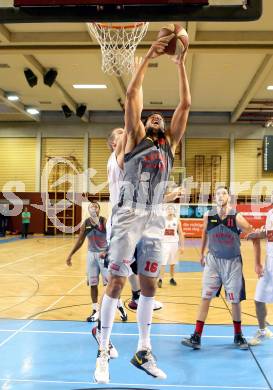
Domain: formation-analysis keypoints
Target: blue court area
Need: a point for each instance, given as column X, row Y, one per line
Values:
column 9, row 239
column 61, row 355
column 186, row 266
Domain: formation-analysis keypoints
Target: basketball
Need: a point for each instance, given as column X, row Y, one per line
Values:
column 179, row 42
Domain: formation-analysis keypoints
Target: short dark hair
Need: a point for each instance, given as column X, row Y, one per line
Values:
column 94, row 202
column 145, row 119
column 222, row 187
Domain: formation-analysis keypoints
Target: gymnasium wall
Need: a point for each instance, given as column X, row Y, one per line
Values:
column 87, row 143
column 97, row 158
column 70, row 149
column 17, row 163
column 208, row 148
column 24, row 147
column 249, row 165
column 63, row 147
column 36, row 205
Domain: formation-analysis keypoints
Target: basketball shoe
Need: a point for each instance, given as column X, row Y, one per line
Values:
column 93, row 317
column 134, row 302
column 240, row 341
column 260, row 335
column 194, row 341
column 113, row 353
column 146, row 361
column 101, row 374
column 122, row 313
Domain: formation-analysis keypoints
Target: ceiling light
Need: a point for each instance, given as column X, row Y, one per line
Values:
column 32, row 111
column 31, row 78
column 66, row 110
column 50, row 77
column 89, row 86
column 270, row 87
column 12, row 97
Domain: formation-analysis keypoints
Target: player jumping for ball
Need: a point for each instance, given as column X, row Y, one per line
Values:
column 137, row 220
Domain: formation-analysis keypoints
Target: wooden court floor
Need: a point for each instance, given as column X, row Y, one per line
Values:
column 35, row 283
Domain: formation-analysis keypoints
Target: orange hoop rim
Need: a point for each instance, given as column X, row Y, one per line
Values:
column 119, row 26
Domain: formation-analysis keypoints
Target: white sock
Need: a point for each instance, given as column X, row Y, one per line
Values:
column 134, row 282
column 107, row 312
column 144, row 320
column 95, row 306
column 120, row 304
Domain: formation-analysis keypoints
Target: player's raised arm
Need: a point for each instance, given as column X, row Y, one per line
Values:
column 134, row 95
column 180, row 116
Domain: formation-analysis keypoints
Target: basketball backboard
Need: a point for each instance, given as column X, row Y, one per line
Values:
column 33, row 11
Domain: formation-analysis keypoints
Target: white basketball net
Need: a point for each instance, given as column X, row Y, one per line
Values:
column 118, row 45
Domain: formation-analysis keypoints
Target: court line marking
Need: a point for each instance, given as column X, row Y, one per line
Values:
column 43, row 275
column 30, row 237
column 48, row 308
column 8, row 380
column 177, row 276
column 114, row 334
column 36, row 254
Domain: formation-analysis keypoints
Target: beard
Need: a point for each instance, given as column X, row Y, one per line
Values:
column 151, row 131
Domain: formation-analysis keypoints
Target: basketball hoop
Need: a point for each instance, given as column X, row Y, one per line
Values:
column 118, row 45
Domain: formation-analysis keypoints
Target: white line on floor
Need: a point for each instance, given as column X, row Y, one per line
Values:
column 36, row 254
column 113, row 334
column 43, row 275
column 48, row 308
column 8, row 380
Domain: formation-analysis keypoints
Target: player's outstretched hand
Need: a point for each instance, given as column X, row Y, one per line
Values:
column 158, row 47
column 69, row 261
column 254, row 234
column 179, row 191
column 175, row 194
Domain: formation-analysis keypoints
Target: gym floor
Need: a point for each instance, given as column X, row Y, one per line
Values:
column 45, row 342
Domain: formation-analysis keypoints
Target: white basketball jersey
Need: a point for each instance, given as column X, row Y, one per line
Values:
column 170, row 232
column 115, row 176
column 269, row 233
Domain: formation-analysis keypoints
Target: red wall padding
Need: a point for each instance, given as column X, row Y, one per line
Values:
column 37, row 223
